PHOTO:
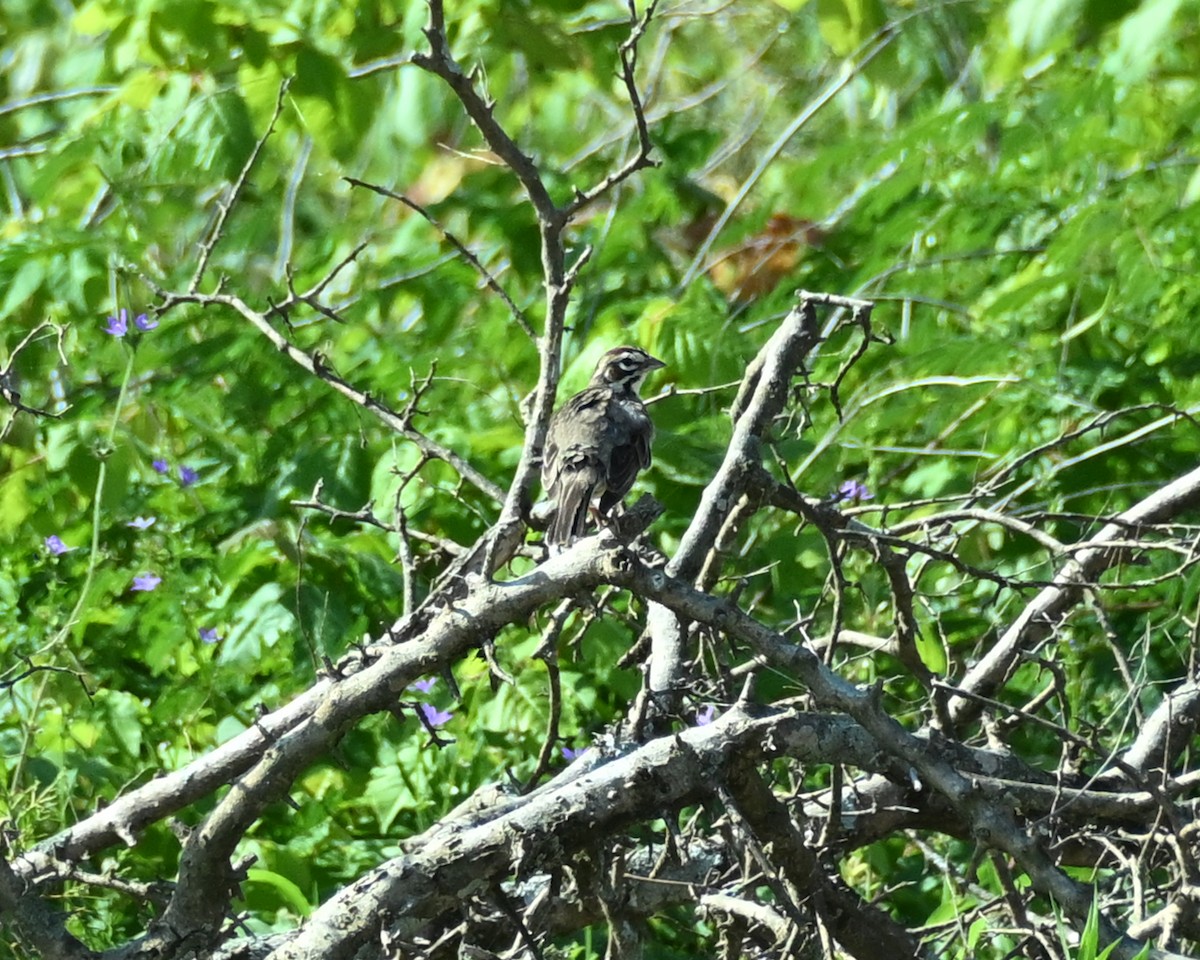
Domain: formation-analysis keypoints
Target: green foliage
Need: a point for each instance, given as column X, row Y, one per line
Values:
column 1014, row 184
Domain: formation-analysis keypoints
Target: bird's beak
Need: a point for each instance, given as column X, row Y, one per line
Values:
column 653, row 363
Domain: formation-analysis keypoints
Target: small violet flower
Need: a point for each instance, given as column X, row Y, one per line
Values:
column 853, row 490
column 423, row 686
column 209, row 634
column 187, row 476
column 145, row 583
column 161, row 466
column 570, row 753
column 433, row 716
column 118, row 326
column 141, row 523
column 706, row 715
column 55, row 545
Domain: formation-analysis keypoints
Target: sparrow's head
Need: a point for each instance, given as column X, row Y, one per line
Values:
column 624, row 368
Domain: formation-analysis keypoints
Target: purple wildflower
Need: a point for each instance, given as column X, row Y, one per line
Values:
column 853, row 490
column 143, row 322
column 423, row 686
column 433, row 716
column 209, row 634
column 145, row 583
column 705, row 715
column 141, row 523
column 55, row 545
column 118, row 326
column 161, row 466
column 187, row 476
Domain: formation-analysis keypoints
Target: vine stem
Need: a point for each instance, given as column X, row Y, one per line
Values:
column 93, row 559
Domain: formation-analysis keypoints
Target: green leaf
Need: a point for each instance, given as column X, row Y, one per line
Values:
column 1157, row 350
column 258, row 625
column 141, row 88
column 977, row 929
column 1035, row 25
column 1143, row 38
column 15, row 503
column 931, row 651
column 1192, row 192
column 1082, row 326
column 96, row 17
column 23, row 285
column 124, row 715
column 289, row 891
column 540, row 38
column 847, row 24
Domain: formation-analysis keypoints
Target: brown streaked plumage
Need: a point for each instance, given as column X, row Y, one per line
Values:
column 598, row 442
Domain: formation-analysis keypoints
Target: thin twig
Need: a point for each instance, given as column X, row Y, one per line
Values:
column 316, row 365
column 873, row 47
column 628, row 52
column 488, row 277
column 225, row 206
column 7, row 390
column 547, row 652
column 287, row 217
column 56, row 96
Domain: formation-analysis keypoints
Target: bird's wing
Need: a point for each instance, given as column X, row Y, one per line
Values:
column 628, row 457
column 574, row 466
column 625, row 463
column 580, row 424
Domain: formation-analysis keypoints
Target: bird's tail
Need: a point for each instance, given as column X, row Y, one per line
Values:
column 570, row 513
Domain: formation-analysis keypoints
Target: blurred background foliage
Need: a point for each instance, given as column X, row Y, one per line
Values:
column 1015, row 184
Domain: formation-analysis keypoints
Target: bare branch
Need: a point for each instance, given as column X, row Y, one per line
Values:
column 481, row 110
column 1168, row 731
column 46, row 930
column 852, row 922
column 310, row 295
column 1050, row 606
column 988, row 820
column 569, row 811
column 548, row 653
column 761, row 397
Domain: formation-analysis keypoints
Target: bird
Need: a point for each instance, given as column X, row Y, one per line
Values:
column 597, row 443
